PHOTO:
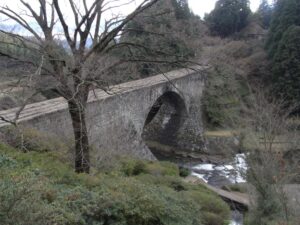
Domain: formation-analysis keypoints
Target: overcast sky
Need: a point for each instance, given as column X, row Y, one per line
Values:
column 199, row 7
column 205, row 6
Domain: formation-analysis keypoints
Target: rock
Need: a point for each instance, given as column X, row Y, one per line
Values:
column 194, row 180
column 218, row 180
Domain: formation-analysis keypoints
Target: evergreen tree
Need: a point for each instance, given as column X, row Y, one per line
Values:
column 286, row 65
column 167, row 35
column 182, row 9
column 286, row 14
column 265, row 13
column 228, row 17
column 283, row 46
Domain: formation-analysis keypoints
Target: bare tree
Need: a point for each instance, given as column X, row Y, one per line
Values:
column 268, row 139
column 89, row 39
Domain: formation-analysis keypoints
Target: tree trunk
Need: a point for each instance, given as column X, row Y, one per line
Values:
column 82, row 158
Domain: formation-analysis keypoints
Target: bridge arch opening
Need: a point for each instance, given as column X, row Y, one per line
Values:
column 163, row 123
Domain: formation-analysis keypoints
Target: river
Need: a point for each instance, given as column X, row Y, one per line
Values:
column 215, row 174
column 220, row 175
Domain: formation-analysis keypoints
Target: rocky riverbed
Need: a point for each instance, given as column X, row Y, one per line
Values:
column 220, row 175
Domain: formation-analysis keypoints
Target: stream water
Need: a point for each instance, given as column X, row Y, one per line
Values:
column 220, row 175
column 215, row 174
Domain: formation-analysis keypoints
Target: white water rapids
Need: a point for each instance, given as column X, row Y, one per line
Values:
column 233, row 173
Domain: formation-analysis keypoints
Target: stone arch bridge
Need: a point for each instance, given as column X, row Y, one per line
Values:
column 164, row 108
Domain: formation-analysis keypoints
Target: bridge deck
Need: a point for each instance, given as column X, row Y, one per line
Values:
column 54, row 105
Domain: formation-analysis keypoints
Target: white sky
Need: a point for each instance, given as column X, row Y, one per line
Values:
column 205, row 6
column 199, row 7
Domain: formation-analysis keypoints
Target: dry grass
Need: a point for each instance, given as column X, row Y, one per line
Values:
column 219, row 133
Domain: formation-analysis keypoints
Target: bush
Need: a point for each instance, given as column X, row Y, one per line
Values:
column 133, row 167
column 212, row 219
column 184, row 172
column 21, row 202
column 130, row 201
column 7, row 162
column 46, row 191
column 30, row 139
column 162, row 169
column 235, row 188
column 171, row 182
column 238, row 49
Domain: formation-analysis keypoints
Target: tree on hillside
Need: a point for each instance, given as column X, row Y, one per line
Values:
column 78, row 64
column 169, row 28
column 265, row 13
column 283, row 48
column 182, row 9
column 286, row 65
column 270, row 141
column 286, row 14
column 228, row 17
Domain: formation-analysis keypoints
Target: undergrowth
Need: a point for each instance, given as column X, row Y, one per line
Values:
column 39, row 187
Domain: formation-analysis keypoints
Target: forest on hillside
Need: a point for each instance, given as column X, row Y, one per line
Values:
column 250, row 107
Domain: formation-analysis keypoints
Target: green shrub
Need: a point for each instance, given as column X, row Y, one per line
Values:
column 29, row 139
column 212, row 219
column 46, row 191
column 162, row 169
column 7, row 162
column 134, row 202
column 133, row 167
column 235, row 188
column 210, row 203
column 21, row 202
column 184, row 172
column 174, row 183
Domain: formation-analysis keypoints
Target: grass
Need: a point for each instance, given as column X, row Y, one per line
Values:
column 235, row 188
column 219, row 133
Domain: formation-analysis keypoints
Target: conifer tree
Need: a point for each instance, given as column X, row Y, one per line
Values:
column 182, row 10
column 283, row 46
column 286, row 65
column 265, row 13
column 168, row 33
column 228, row 17
column 286, row 14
